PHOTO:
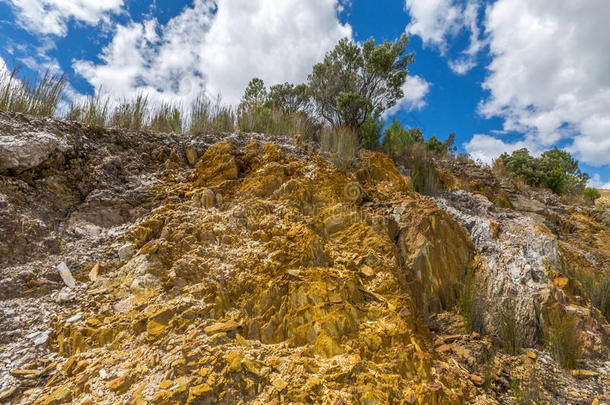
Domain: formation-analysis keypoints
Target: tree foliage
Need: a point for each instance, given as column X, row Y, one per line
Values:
column 555, row 169
column 255, row 95
column 371, row 132
column 355, row 82
column 397, row 138
column 289, row 98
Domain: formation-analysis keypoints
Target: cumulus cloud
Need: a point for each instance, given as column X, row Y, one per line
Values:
column 52, row 16
column 486, row 148
column 217, row 46
column 416, row 88
column 550, row 73
column 437, row 22
column 597, row 182
column 163, row 62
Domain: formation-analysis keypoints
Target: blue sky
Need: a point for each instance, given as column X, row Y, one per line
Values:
column 502, row 74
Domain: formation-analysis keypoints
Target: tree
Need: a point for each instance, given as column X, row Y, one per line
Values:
column 442, row 148
column 562, row 172
column 255, row 95
column 396, row 138
column 555, row 169
column 370, row 132
column 289, row 98
column 355, row 82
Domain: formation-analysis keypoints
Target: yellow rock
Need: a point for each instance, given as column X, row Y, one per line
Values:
column 120, row 385
column 191, row 156
column 94, row 272
column 166, row 384
column 221, row 327
column 234, row 359
column 62, row 395
column 278, row 382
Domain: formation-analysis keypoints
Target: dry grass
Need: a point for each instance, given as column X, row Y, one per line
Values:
column 510, row 330
column 470, row 305
column 167, row 119
column 94, row 111
column 39, row 97
column 276, row 122
column 131, row 115
column 209, row 116
column 340, row 144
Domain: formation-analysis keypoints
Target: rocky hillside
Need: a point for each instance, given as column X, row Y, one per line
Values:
column 144, row 268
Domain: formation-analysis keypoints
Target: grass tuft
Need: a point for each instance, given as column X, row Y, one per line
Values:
column 340, row 144
column 39, row 97
column 561, row 337
column 510, row 330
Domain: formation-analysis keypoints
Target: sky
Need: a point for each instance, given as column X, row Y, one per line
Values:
column 502, row 74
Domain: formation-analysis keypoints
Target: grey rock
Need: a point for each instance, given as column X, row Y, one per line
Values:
column 26, row 150
column 126, row 252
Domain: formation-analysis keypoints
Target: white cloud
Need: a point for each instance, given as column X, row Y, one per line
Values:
column 416, row 88
column 463, row 65
column 436, row 22
column 486, row 148
column 550, row 73
column 217, row 46
column 52, row 16
column 161, row 61
column 597, row 182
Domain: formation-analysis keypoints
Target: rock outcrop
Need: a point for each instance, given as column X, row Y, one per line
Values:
column 243, row 269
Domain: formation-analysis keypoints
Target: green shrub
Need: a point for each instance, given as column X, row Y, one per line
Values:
column 356, row 81
column 289, row 98
column 591, row 194
column 397, row 139
column 441, row 148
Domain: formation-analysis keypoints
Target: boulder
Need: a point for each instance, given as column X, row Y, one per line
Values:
column 26, row 150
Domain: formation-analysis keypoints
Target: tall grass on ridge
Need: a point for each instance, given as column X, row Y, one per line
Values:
column 39, row 97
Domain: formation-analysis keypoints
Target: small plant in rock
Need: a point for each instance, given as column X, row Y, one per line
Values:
column 510, row 330
column 562, row 338
column 469, row 305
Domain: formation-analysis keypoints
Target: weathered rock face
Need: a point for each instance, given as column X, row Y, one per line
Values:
column 27, row 150
column 246, row 271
